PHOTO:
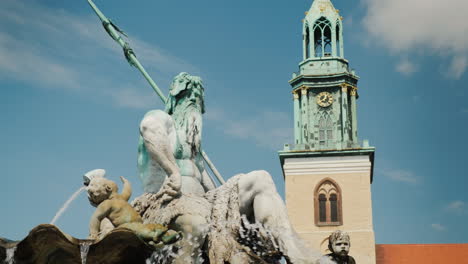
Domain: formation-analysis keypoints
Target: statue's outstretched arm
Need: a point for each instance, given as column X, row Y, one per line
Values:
column 127, row 189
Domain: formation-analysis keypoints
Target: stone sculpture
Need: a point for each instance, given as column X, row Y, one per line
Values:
column 338, row 243
column 103, row 194
column 178, row 189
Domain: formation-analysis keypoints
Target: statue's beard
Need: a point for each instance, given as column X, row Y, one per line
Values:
column 189, row 123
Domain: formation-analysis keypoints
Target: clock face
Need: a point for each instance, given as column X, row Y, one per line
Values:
column 324, row 99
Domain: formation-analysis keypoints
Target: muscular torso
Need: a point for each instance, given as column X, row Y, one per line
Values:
column 191, row 167
column 191, row 177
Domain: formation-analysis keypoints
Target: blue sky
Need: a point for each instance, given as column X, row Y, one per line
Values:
column 70, row 103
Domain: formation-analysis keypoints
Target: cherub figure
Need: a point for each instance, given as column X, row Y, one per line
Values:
column 338, row 243
column 103, row 194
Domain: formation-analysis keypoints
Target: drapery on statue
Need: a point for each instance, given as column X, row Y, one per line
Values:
column 338, row 243
column 179, row 192
column 103, row 194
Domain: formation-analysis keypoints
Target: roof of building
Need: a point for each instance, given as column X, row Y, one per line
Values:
column 322, row 8
column 421, row 253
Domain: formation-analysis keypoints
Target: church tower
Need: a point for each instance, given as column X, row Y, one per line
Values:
column 328, row 171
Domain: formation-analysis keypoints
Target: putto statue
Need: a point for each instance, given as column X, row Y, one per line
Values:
column 103, row 194
column 180, row 193
column 338, row 243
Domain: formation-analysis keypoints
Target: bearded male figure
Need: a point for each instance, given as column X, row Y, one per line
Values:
column 171, row 165
column 170, row 142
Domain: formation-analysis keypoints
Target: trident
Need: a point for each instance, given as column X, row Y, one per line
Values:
column 115, row 33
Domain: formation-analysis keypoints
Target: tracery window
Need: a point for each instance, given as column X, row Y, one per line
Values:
column 327, row 202
column 322, row 37
column 325, row 129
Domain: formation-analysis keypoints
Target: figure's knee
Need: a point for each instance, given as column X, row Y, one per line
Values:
column 260, row 179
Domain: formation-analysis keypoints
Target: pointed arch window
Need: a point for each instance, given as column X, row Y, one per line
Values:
column 327, row 201
column 338, row 39
column 307, row 42
column 325, row 129
column 322, row 36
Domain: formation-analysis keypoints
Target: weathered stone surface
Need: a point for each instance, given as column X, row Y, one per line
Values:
column 46, row 244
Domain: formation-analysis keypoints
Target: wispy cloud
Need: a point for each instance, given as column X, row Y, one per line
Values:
column 133, row 97
column 457, row 67
column 438, row 227
column 456, row 207
column 406, row 67
column 409, row 27
column 54, row 49
column 266, row 128
column 400, row 175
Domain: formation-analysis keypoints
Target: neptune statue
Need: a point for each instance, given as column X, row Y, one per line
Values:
column 179, row 192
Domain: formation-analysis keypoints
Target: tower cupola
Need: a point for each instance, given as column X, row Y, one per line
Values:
column 322, row 31
column 324, row 88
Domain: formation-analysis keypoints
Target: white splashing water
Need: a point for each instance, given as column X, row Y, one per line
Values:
column 10, row 255
column 261, row 240
column 66, row 204
column 84, row 249
column 168, row 253
column 162, row 255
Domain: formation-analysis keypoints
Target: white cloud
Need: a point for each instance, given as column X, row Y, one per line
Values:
column 267, row 128
column 457, row 67
column 400, row 175
column 456, row 207
column 438, row 227
column 55, row 49
column 406, row 67
column 410, row 27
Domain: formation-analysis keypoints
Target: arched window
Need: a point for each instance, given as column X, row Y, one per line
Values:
column 327, row 200
column 325, row 129
column 307, row 42
column 327, row 40
column 322, row 37
column 338, row 39
column 318, row 42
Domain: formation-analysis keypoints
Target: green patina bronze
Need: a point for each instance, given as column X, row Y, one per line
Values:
column 325, row 88
column 116, row 34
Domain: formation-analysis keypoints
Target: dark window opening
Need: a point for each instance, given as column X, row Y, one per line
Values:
column 307, row 43
column 323, row 208
column 318, row 42
column 338, row 40
column 333, row 208
column 327, row 39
